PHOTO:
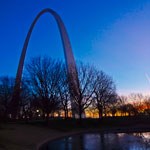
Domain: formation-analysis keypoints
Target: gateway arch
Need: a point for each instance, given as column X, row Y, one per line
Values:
column 69, row 58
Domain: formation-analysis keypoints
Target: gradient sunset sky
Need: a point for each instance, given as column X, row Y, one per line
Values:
column 113, row 35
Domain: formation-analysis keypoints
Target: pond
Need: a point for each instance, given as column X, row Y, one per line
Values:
column 99, row 141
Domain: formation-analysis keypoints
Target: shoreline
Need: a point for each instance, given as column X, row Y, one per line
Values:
column 30, row 137
column 103, row 130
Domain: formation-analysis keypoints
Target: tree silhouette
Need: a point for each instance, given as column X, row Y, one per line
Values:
column 43, row 77
column 87, row 85
column 105, row 93
column 6, row 90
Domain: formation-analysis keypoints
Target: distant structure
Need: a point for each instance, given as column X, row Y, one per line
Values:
column 69, row 58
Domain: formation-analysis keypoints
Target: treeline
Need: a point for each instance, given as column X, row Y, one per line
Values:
column 45, row 92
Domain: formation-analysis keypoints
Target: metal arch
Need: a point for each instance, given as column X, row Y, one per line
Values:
column 69, row 58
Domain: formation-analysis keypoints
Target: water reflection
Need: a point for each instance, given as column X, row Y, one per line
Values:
column 99, row 141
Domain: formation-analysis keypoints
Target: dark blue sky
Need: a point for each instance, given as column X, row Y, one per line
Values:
column 114, row 35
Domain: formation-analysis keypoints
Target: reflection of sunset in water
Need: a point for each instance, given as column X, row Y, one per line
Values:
column 144, row 136
column 102, row 141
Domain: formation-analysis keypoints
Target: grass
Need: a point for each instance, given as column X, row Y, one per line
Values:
column 109, row 122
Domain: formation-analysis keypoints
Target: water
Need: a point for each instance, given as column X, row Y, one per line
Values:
column 99, row 141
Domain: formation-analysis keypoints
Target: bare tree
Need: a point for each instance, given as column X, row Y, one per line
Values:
column 122, row 105
column 25, row 100
column 105, row 93
column 146, row 104
column 44, row 75
column 141, row 103
column 64, row 94
column 6, row 90
column 131, row 109
column 137, row 99
column 87, row 85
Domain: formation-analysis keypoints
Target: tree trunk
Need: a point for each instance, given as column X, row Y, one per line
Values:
column 80, row 115
column 66, row 114
column 100, row 112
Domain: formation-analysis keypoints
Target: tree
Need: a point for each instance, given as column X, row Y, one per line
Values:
column 104, row 93
column 122, row 105
column 25, row 100
column 87, row 85
column 130, row 109
column 64, row 94
column 146, row 104
column 128, row 104
column 6, row 90
column 137, row 100
column 43, row 77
